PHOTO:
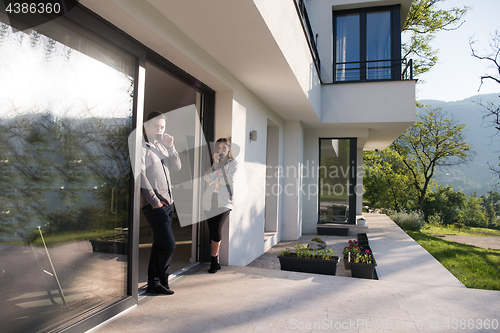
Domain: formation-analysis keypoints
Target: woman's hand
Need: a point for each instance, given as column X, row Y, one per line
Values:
column 216, row 158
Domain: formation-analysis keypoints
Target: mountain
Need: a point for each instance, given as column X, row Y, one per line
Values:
column 484, row 138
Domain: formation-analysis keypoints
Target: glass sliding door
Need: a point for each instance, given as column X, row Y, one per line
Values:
column 347, row 55
column 378, row 45
column 66, row 110
column 181, row 103
column 337, row 173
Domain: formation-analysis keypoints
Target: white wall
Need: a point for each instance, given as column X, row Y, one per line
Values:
column 282, row 19
column 246, row 229
column 369, row 102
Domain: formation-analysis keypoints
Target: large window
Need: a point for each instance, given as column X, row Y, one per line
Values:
column 367, row 44
column 70, row 91
column 66, row 110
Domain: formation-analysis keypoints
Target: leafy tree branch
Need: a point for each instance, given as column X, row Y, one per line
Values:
column 424, row 20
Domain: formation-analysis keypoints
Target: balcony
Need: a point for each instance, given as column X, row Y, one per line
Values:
column 374, row 70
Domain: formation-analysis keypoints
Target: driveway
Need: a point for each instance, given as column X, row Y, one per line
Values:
column 479, row 241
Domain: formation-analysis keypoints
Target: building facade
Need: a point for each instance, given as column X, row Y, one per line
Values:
column 300, row 88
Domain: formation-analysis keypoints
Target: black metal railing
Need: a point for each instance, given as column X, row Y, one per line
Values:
column 407, row 73
column 373, row 70
column 306, row 25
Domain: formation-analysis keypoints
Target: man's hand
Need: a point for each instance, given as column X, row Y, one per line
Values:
column 168, row 140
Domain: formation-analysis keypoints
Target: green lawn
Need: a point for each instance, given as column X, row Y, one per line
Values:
column 475, row 267
column 468, row 231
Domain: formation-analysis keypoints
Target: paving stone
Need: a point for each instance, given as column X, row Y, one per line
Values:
column 414, row 291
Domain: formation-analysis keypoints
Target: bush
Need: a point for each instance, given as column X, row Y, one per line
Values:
column 412, row 220
column 435, row 220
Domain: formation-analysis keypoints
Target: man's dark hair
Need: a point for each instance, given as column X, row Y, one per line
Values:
column 155, row 114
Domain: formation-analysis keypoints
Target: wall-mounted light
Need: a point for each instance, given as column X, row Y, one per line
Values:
column 253, row 136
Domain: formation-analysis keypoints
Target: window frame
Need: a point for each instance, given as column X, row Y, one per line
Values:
column 353, row 180
column 395, row 35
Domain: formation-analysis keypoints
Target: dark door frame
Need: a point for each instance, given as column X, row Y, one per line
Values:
column 353, row 165
column 207, row 119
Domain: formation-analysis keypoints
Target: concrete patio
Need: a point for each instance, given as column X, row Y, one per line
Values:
column 414, row 293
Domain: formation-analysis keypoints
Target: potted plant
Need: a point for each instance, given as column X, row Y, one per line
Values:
column 116, row 244
column 361, row 222
column 332, row 230
column 353, row 242
column 362, row 239
column 307, row 260
column 362, row 264
column 353, row 247
column 316, row 244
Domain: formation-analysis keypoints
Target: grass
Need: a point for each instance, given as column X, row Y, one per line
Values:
column 475, row 267
column 468, row 231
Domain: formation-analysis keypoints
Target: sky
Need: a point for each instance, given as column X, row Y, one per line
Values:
column 457, row 74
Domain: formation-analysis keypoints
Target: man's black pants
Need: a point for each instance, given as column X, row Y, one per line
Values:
column 160, row 220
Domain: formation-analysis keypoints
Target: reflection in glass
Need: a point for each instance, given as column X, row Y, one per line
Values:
column 65, row 115
column 334, row 180
column 347, row 48
column 378, row 45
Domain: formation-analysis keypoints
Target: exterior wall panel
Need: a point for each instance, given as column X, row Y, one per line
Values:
column 374, row 102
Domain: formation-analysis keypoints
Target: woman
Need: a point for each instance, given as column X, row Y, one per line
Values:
column 218, row 197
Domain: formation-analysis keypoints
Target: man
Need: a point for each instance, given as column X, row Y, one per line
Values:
column 158, row 156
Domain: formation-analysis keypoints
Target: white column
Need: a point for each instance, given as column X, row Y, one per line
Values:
column 293, row 140
column 223, row 129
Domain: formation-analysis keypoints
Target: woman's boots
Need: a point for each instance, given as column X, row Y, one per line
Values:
column 214, row 264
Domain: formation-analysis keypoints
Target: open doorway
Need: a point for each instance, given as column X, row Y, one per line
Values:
column 181, row 104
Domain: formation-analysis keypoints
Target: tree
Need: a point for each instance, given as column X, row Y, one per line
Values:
column 424, row 20
column 491, row 206
column 52, row 161
column 387, row 181
column 491, row 110
column 433, row 141
column 445, row 202
column 472, row 215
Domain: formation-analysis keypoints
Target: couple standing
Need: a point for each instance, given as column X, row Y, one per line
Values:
column 158, row 157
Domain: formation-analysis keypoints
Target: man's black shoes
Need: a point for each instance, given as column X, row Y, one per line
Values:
column 159, row 289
